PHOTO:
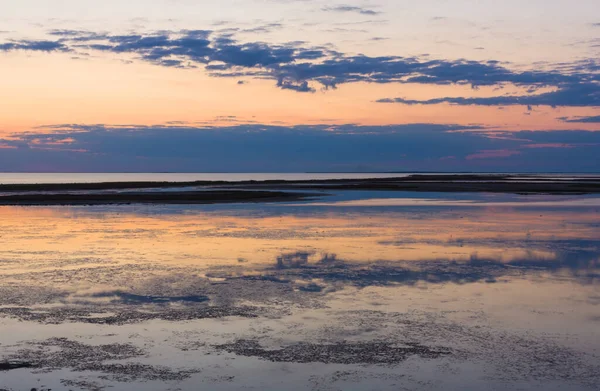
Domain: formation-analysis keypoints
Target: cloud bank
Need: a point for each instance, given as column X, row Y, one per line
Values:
column 262, row 148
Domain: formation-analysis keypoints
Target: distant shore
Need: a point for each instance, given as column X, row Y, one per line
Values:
column 204, row 192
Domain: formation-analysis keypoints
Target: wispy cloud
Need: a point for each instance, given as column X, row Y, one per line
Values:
column 36, row 46
column 353, row 9
column 582, row 120
column 550, row 145
column 575, row 95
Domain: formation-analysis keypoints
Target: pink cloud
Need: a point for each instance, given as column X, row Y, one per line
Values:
column 555, row 145
column 65, row 141
column 493, row 153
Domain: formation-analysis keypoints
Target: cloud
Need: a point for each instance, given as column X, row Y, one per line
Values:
column 299, row 87
column 349, row 8
column 555, row 145
column 582, row 120
column 302, row 68
column 265, row 148
column 493, row 153
column 36, row 46
column 574, row 95
column 266, row 28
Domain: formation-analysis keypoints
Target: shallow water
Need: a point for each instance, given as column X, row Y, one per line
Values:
column 356, row 291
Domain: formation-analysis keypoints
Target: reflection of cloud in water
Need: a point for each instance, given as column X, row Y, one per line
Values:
column 552, row 252
column 294, row 279
column 582, row 265
column 293, row 260
column 204, row 259
column 130, row 298
column 319, row 284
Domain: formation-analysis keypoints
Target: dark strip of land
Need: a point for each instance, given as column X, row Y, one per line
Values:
column 201, row 197
column 274, row 191
column 412, row 182
column 453, row 186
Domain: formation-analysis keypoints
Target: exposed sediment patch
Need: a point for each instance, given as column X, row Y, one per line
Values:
column 336, row 353
column 58, row 315
column 61, row 353
column 10, row 365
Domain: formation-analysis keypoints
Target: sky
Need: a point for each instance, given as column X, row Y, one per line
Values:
column 299, row 85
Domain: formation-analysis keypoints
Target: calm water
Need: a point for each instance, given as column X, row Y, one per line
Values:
column 359, row 291
column 12, row 178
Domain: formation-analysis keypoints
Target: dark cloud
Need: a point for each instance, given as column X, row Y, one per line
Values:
column 264, row 148
column 251, row 55
column 36, row 46
column 349, row 8
column 221, row 54
column 299, row 87
column 575, row 95
column 582, row 120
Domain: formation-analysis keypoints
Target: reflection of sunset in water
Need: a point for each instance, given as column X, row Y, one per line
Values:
column 219, row 239
column 474, row 292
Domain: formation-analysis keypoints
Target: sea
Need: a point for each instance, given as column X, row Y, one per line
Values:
column 45, row 178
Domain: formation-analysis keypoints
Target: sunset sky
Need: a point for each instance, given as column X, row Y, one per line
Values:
column 299, row 85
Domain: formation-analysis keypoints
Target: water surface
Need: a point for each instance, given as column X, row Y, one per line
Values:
column 435, row 292
column 35, row 178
